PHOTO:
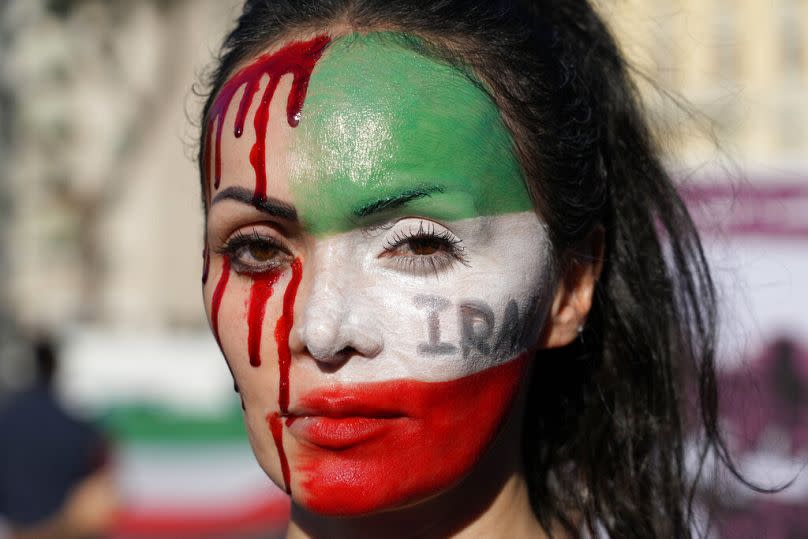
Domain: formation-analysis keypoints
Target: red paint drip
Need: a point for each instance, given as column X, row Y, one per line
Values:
column 282, row 331
column 216, row 301
column 439, row 431
column 205, row 264
column 260, row 293
column 276, row 426
column 206, row 161
column 258, row 154
column 297, row 59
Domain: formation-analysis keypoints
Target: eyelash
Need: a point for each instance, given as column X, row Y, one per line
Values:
column 449, row 250
column 452, row 250
column 237, row 246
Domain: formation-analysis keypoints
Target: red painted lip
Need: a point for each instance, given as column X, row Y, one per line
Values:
column 339, row 433
column 339, row 421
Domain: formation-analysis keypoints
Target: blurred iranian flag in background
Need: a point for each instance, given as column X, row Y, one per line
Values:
column 179, row 449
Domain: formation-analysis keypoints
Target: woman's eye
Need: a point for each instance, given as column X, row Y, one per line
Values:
column 424, row 248
column 254, row 253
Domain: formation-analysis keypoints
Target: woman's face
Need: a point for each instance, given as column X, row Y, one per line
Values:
column 375, row 273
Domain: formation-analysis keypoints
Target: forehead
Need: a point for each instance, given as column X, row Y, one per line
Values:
column 380, row 120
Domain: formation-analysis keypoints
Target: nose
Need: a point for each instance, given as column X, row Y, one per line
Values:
column 336, row 321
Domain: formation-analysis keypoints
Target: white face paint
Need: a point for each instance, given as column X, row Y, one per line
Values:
column 409, row 318
column 377, row 308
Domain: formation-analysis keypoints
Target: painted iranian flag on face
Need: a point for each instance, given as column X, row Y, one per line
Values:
column 378, row 275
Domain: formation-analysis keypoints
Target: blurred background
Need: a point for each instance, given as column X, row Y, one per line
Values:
column 101, row 227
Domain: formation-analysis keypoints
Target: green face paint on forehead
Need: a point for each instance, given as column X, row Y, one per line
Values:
column 382, row 123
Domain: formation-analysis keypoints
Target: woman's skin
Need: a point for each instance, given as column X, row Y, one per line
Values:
column 378, row 281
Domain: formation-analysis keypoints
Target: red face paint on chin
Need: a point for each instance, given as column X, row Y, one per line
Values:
column 370, row 447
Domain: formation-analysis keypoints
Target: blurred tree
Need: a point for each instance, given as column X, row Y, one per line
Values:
column 10, row 348
column 96, row 83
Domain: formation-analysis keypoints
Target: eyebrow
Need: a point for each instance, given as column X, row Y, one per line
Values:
column 396, row 201
column 269, row 205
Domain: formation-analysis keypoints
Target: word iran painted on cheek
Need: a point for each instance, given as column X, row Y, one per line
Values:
column 478, row 335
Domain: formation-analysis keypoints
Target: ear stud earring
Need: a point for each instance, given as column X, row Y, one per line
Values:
column 580, row 330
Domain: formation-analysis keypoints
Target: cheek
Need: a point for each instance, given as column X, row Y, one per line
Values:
column 250, row 324
column 257, row 352
column 216, row 298
column 444, row 430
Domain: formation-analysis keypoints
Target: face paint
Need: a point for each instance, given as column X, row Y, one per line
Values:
column 298, row 60
column 259, row 295
column 382, row 121
column 216, row 301
column 427, row 274
column 375, row 445
column 275, row 422
column 282, row 330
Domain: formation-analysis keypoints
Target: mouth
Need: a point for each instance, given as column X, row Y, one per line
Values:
column 336, row 420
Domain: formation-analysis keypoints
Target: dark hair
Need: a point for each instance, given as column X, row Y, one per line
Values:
column 604, row 428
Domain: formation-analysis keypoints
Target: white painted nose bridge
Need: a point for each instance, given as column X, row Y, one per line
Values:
column 337, row 314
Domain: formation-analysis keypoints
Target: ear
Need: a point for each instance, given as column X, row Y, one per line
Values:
column 576, row 286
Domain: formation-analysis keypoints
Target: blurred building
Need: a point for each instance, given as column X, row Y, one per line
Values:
column 104, row 224
column 740, row 65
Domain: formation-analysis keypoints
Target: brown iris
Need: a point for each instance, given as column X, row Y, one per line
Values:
column 262, row 252
column 425, row 246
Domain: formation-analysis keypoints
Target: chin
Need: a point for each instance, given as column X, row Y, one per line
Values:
column 354, row 490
